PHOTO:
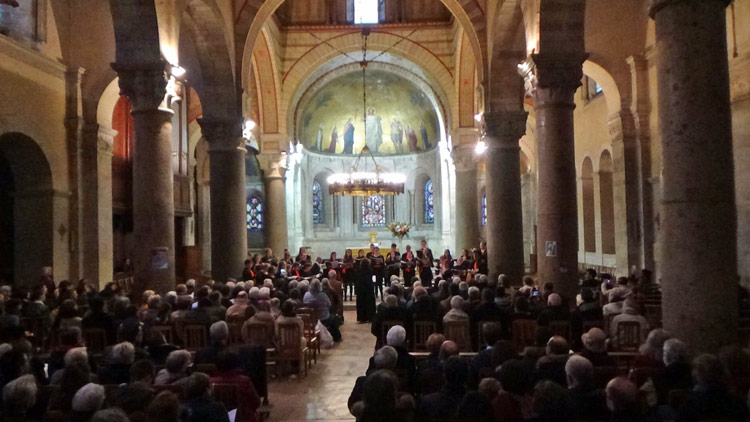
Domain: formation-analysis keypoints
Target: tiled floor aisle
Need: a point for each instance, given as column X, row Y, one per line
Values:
column 322, row 395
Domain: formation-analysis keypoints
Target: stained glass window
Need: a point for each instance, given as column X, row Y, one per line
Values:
column 429, row 203
column 484, row 209
column 254, row 213
column 373, row 211
column 317, row 203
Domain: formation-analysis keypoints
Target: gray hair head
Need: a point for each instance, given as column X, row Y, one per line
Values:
column 265, row 293
column 88, row 399
column 123, row 353
column 622, row 394
column 315, row 286
column 385, row 357
column 396, row 336
column 457, row 302
column 391, row 301
column 177, row 361
column 76, row 356
column 113, row 414
column 219, row 332
column 579, row 371
column 20, row 393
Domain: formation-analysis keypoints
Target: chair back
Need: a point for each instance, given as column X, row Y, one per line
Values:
column 259, row 333
column 561, row 328
column 165, row 330
column 628, row 336
column 194, row 336
column 235, row 333
column 309, row 321
column 422, row 330
column 608, row 324
column 524, row 333
column 290, row 338
column 458, row 332
column 95, row 339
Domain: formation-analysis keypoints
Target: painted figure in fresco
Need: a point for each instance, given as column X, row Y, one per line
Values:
column 411, row 138
column 348, row 137
column 374, row 130
column 334, row 138
column 425, row 139
column 397, row 135
column 319, row 139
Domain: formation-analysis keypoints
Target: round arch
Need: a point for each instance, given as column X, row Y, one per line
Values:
column 31, row 208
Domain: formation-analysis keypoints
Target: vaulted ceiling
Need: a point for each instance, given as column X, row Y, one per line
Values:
column 322, row 12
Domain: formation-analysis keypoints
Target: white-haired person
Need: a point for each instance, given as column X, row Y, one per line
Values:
column 384, row 358
column 316, row 299
column 585, row 400
column 177, row 365
column 117, row 369
column 406, row 365
column 457, row 311
column 218, row 334
column 19, row 396
column 87, row 401
column 555, row 311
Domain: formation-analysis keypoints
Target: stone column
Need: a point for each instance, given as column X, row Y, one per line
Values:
column 553, row 80
column 226, row 150
column 96, row 204
column 698, row 217
column 153, row 193
column 274, row 210
column 467, row 211
column 504, row 211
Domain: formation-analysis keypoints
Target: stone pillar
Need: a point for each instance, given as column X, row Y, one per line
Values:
column 467, row 211
column 698, row 218
column 274, row 210
column 226, row 150
column 153, row 196
column 553, row 80
column 96, row 204
column 504, row 211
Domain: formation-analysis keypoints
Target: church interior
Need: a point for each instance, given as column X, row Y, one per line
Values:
column 156, row 148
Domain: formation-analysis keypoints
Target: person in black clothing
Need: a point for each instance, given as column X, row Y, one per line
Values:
column 445, row 402
column 388, row 311
column 595, row 348
column 247, row 271
column 219, row 334
column 487, row 310
column 406, row 365
column 552, row 365
column 586, row 401
column 482, row 362
column 365, row 292
column 378, row 269
column 393, row 262
column 711, row 399
column 426, row 261
column 622, row 401
column 384, row 358
column 408, row 265
column 117, row 370
column 380, row 399
column 677, row 374
column 199, row 407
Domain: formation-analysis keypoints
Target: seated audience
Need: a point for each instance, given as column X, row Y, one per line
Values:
column 622, row 401
column 552, row 365
column 406, row 365
column 381, row 401
column 86, row 401
column 513, row 404
column 199, row 406
column 586, row 401
column 555, row 311
column 677, row 374
column 445, row 402
column 550, row 402
column 117, row 369
column 711, row 399
column 165, row 407
column 595, row 348
column 219, row 336
column 384, row 358
column 176, row 369
column 483, row 362
column 19, row 396
column 630, row 313
column 319, row 301
column 391, row 312
column 651, row 353
column 135, row 396
column 228, row 372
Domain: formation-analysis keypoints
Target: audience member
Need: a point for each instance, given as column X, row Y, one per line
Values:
column 711, row 399
column 586, row 401
column 595, row 348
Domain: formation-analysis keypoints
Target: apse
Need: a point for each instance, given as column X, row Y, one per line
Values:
column 399, row 117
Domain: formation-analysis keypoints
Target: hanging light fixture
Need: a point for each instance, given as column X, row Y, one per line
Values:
column 365, row 183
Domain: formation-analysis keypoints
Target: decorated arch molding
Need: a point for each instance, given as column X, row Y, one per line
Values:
column 469, row 13
column 267, row 86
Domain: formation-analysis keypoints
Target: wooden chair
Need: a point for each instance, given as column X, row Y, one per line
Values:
column 561, row 328
column 165, row 330
column 524, row 333
column 628, row 336
column 458, row 332
column 260, row 334
column 608, row 324
column 95, row 340
column 422, row 331
column 235, row 333
column 623, row 360
column 291, row 349
column 194, row 336
column 311, row 333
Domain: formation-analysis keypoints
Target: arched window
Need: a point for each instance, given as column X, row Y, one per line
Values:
column 254, row 211
column 483, row 205
column 373, row 211
column 317, row 203
column 366, row 11
column 429, row 203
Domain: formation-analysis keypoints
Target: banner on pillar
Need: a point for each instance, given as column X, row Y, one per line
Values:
column 550, row 248
column 160, row 258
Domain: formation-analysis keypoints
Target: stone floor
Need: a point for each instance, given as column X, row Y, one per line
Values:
column 322, row 395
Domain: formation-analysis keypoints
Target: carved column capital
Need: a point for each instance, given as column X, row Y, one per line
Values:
column 464, row 158
column 145, row 86
column 222, row 134
column 657, row 5
column 505, row 127
column 552, row 78
column 274, row 165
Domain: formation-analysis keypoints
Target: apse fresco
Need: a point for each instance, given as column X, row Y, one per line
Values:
column 400, row 118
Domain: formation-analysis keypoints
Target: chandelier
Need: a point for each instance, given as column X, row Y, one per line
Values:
column 365, row 183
